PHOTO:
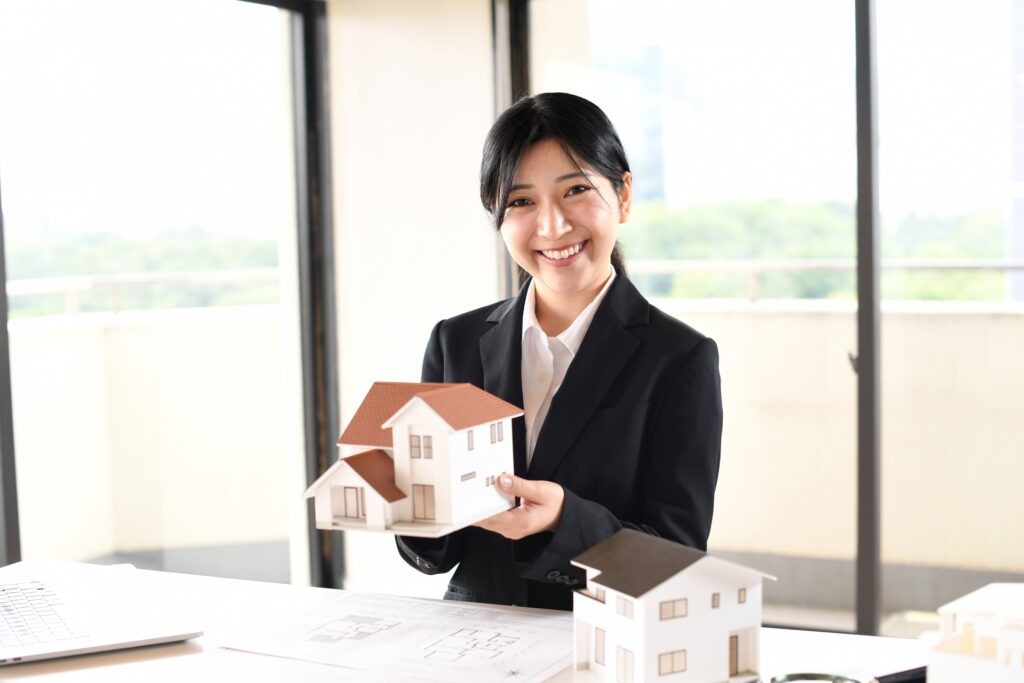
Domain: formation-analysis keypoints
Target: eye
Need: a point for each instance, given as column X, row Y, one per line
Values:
column 577, row 189
column 519, row 201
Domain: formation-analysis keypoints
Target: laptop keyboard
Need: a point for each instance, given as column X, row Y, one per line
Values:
column 32, row 613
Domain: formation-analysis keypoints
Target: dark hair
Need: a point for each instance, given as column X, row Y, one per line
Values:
column 579, row 127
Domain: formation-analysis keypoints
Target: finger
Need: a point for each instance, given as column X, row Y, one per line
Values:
column 519, row 487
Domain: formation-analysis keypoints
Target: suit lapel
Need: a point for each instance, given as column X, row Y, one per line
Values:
column 500, row 355
column 605, row 350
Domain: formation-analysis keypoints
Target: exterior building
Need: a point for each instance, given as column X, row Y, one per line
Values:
column 427, row 463
column 656, row 610
column 982, row 637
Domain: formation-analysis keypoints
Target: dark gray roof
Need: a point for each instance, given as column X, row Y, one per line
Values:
column 633, row 562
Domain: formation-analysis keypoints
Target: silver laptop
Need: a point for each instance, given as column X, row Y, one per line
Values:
column 61, row 609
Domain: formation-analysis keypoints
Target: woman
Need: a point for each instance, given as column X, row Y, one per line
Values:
column 623, row 416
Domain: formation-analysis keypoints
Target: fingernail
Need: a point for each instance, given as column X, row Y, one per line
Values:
column 506, row 481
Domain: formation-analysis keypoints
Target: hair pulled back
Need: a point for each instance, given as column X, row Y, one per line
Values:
column 580, row 128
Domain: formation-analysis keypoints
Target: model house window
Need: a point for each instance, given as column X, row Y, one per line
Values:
column 624, row 666
column 673, row 609
column 599, row 646
column 428, row 447
column 671, row 662
column 743, row 595
column 624, row 607
column 468, row 475
column 494, row 433
column 716, row 600
column 414, row 446
column 599, row 594
column 501, row 430
column 469, row 440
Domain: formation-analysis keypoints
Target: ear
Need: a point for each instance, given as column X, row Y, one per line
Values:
column 625, row 197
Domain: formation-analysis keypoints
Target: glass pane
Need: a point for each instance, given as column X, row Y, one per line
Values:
column 740, row 127
column 951, row 126
column 149, row 208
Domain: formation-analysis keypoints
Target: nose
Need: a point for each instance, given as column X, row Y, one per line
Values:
column 551, row 222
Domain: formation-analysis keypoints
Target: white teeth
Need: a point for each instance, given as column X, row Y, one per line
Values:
column 564, row 253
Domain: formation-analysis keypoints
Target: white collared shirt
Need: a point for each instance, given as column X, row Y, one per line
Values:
column 546, row 360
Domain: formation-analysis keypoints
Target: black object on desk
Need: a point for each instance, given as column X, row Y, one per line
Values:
column 910, row 676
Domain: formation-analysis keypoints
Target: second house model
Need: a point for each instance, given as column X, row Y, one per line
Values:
column 655, row 610
column 418, row 459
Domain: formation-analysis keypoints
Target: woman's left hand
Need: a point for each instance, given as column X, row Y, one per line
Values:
column 540, row 508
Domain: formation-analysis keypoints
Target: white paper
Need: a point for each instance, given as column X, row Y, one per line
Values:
column 433, row 640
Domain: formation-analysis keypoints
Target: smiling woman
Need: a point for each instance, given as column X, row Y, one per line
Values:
column 578, row 347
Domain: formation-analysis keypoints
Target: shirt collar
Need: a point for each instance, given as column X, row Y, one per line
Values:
column 573, row 335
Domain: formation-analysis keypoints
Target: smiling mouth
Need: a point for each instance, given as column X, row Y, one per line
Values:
column 562, row 254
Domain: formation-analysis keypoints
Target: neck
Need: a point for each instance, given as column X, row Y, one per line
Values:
column 556, row 311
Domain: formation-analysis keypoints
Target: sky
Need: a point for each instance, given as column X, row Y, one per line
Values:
column 137, row 116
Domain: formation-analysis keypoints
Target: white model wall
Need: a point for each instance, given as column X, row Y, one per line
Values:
column 411, row 99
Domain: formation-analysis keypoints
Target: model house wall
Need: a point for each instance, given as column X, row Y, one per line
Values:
column 982, row 637
column 694, row 625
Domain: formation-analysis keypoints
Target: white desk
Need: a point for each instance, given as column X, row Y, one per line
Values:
column 225, row 606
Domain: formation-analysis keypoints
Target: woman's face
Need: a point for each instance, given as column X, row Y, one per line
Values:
column 560, row 225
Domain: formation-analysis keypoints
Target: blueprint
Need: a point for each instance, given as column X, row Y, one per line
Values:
column 425, row 639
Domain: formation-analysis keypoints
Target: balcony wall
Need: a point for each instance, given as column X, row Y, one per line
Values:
column 139, row 431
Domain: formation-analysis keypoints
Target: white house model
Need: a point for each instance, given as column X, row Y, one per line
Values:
column 982, row 637
column 419, row 460
column 655, row 610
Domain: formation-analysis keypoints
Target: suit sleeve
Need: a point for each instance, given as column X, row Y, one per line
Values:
column 677, row 498
column 432, row 555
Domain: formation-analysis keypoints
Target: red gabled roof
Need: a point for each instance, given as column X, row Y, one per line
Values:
column 464, row 405
column 381, row 402
column 459, row 405
column 378, row 470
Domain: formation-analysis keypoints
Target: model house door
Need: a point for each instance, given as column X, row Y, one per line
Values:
column 422, row 501
column 353, row 502
column 734, row 655
column 624, row 666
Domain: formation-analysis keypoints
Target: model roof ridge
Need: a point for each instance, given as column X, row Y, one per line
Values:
column 616, row 560
column 380, row 403
column 449, row 402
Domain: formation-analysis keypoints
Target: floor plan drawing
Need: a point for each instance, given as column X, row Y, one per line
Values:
column 424, row 639
column 470, row 642
column 349, row 627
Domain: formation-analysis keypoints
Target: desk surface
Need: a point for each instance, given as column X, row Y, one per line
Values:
column 226, row 607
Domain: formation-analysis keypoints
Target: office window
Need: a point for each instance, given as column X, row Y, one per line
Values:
column 469, row 440
column 743, row 596
column 672, row 609
column 151, row 244
column 624, row 606
column 745, row 228
column 428, row 447
column 671, row 662
column 951, row 180
column 599, row 646
column 414, row 446
column 716, row 600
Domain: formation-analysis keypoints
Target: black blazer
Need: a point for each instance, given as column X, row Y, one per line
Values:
column 633, row 435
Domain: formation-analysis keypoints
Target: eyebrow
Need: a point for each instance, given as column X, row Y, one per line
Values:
column 567, row 176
